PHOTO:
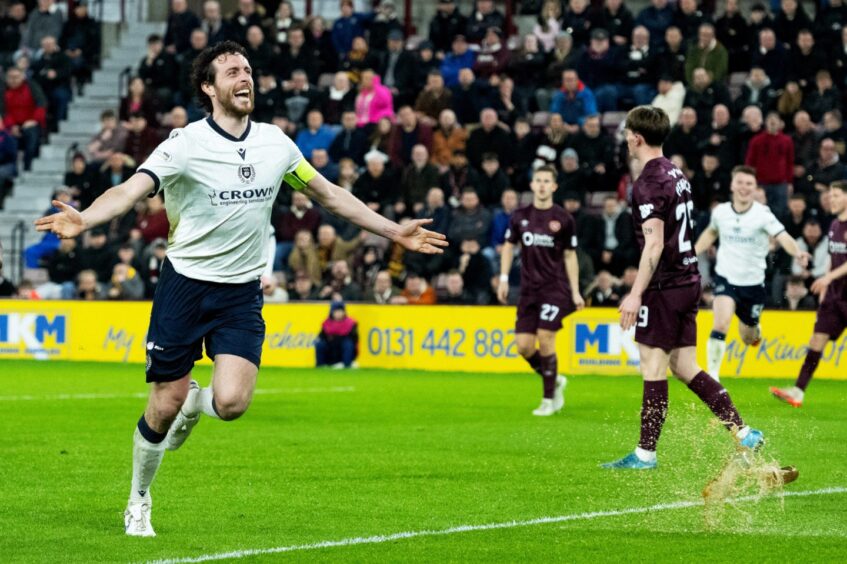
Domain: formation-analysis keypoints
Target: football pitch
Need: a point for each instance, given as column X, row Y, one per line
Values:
column 396, row 466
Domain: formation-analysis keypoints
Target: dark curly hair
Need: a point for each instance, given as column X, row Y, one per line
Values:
column 203, row 69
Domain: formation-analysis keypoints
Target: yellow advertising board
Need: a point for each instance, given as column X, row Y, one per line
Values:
column 463, row 338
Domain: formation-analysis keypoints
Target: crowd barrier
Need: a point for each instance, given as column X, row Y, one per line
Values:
column 471, row 338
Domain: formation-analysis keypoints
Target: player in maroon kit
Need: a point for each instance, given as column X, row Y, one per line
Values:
column 832, row 288
column 662, row 304
column 549, row 282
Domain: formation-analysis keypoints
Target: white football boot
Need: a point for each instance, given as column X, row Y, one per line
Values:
column 137, row 518
column 559, row 393
column 546, row 408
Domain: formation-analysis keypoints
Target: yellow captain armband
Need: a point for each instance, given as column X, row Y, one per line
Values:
column 300, row 176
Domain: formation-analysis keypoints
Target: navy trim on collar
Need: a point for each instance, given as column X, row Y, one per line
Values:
column 219, row 130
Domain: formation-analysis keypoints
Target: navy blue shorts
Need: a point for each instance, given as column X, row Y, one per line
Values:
column 187, row 312
column 749, row 300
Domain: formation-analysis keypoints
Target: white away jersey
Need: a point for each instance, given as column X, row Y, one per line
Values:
column 219, row 192
column 743, row 245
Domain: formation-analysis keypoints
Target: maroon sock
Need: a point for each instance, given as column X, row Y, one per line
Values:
column 549, row 371
column 714, row 395
column 808, row 370
column 535, row 362
column 654, row 408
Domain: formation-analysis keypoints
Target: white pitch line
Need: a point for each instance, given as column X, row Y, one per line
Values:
column 379, row 539
column 52, row 397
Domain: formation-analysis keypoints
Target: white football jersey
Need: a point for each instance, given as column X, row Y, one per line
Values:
column 743, row 244
column 219, row 192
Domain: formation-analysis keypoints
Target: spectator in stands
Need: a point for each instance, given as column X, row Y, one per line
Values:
column 325, row 167
column 525, row 146
column 460, row 57
column 45, row 20
column 672, row 54
column 790, row 100
column 319, row 42
column 752, row 123
column 826, row 169
column 351, row 142
column 416, row 291
column 378, row 139
column 304, row 289
column 259, row 52
column 722, row 136
column 436, row 210
column 596, row 150
column 572, row 177
column 476, row 270
column 469, row 97
column 374, row 100
column 316, row 135
column 493, row 57
column 359, row 58
column 268, row 100
column 141, row 139
column 805, row 60
column 617, row 19
column 833, row 126
column 492, row 181
column 656, row 18
column 351, row 24
column 508, row 104
column 418, row 177
column 688, row 17
column 483, row 17
column 526, row 66
column 424, row 63
column 125, row 284
column 24, row 112
column 434, row 98
column 181, row 22
column 97, row 255
column 710, row 183
column 704, row 94
column 284, row 20
column 824, row 97
column 600, row 67
column 332, row 248
column 547, row 25
column 771, row 153
column 797, row 297
column 454, row 291
column 244, row 18
column 304, row 261
column 789, row 20
column 338, row 341
column 297, row 55
column 733, row 32
column 797, row 215
column 685, row 137
column 640, row 71
column 814, row 242
column 88, row 287
column 81, row 180
column 110, row 139
column 575, row 101
column 151, row 223
column 81, row 43
column 619, row 248
column 470, row 220
column 398, row 68
column 52, row 71
column 376, row 186
column 12, row 28
column 63, row 267
column 159, row 71
column 340, row 98
column 829, row 20
column 340, row 283
column 216, row 28
column 447, row 138
column 273, row 289
column 771, row 57
column 499, row 226
column 489, row 137
column 707, row 53
column 184, row 95
column 557, row 136
column 299, row 98
column 564, row 56
column 603, row 291
column 137, row 100
column 757, row 91
column 670, row 97
column 301, row 216
column 447, row 23
column 406, row 133
column 8, row 162
column 838, row 60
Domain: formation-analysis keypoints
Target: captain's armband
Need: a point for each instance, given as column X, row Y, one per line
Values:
column 299, row 177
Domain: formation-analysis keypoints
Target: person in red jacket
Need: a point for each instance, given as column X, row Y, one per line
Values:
column 23, row 106
column 771, row 153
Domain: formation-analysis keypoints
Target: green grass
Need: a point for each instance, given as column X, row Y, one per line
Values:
column 405, row 451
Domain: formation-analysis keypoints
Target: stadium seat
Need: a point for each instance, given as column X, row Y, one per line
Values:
column 540, row 119
column 611, row 121
column 325, row 80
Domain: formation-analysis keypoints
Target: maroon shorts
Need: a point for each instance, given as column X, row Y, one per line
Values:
column 832, row 318
column 668, row 318
column 542, row 312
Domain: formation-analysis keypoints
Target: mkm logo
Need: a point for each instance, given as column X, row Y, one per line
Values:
column 602, row 343
column 35, row 334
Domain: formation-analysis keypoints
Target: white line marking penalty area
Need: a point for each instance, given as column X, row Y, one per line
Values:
column 378, row 539
column 94, row 396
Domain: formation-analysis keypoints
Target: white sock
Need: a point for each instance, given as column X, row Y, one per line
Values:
column 202, row 402
column 146, row 458
column 645, row 455
column 743, row 432
column 715, row 349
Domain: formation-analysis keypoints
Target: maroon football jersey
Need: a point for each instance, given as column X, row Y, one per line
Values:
column 543, row 235
column 838, row 256
column 663, row 192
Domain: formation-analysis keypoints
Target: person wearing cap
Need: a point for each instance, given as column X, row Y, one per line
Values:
column 493, row 56
column 572, row 178
column 397, row 68
column 338, row 342
column 378, row 183
column 446, row 24
column 483, row 16
column 460, row 57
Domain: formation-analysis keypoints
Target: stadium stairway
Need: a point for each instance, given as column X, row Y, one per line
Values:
column 32, row 191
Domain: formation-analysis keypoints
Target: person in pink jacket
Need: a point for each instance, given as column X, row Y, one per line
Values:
column 374, row 100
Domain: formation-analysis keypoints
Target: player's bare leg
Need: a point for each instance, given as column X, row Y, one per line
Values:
column 654, row 409
column 542, row 359
column 750, row 336
column 164, row 403
column 793, row 395
column 683, row 364
column 723, row 308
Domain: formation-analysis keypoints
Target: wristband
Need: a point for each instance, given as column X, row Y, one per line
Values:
column 504, row 278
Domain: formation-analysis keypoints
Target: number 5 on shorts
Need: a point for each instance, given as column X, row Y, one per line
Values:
column 643, row 314
column 549, row 312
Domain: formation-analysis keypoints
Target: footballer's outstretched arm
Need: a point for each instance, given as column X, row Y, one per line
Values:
column 654, row 232
column 572, row 272
column 68, row 222
column 705, row 241
column 788, row 243
column 342, row 203
column 507, row 254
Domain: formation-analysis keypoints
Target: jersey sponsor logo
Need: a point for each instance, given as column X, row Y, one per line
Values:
column 246, row 196
column 645, row 209
column 173, row 134
column 531, row 239
column 689, row 260
column 246, row 173
column 837, row 247
column 164, row 155
column 555, row 226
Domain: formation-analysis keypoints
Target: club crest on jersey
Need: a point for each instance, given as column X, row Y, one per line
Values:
column 555, row 226
column 246, row 173
column 524, row 222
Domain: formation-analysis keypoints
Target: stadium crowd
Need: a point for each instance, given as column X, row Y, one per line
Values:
column 449, row 125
